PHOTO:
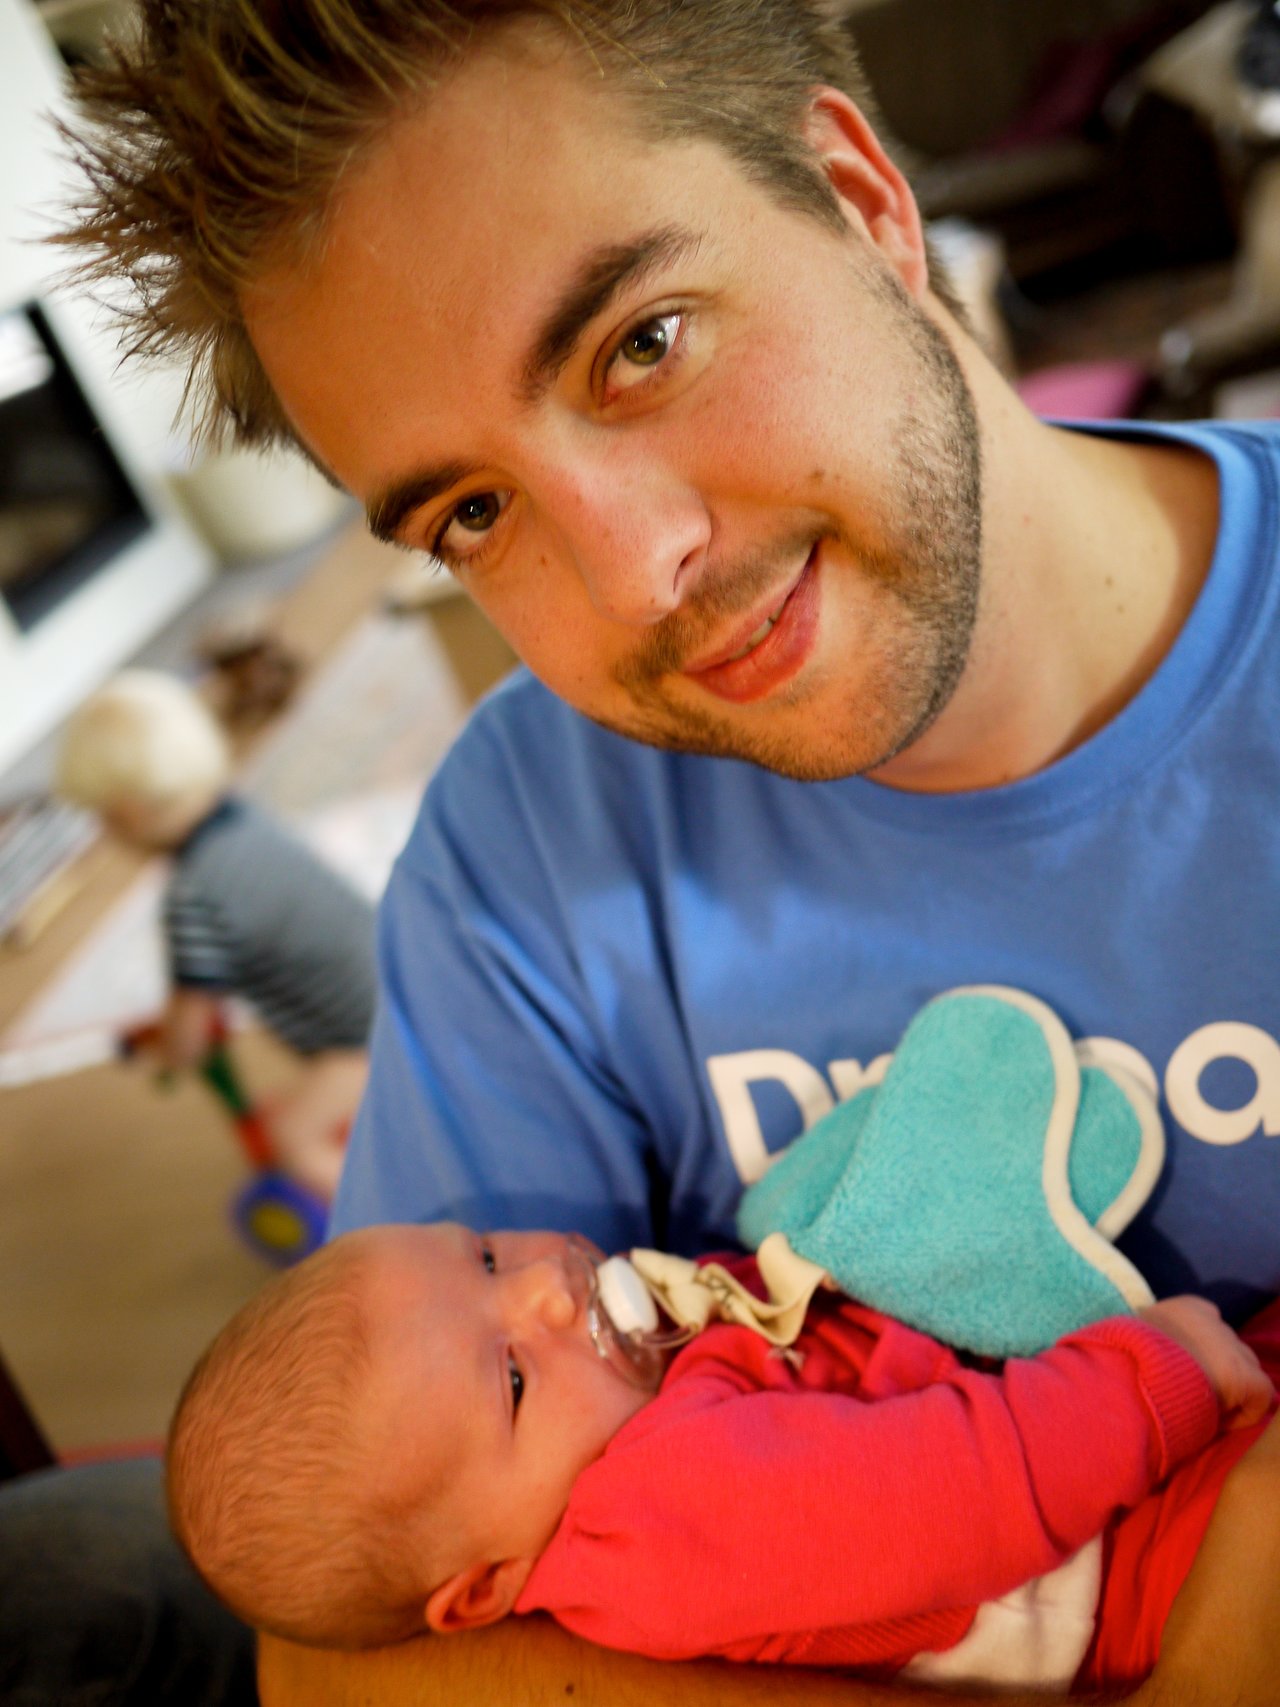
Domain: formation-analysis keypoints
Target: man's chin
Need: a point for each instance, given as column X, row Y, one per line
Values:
column 786, row 756
column 806, row 741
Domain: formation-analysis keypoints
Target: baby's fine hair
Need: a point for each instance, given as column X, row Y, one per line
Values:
column 268, row 1490
column 148, row 741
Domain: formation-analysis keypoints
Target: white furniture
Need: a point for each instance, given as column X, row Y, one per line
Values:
column 47, row 669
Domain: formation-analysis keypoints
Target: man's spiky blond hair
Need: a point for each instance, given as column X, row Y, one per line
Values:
column 214, row 137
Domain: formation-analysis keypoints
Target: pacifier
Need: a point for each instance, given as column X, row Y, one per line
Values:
column 622, row 1318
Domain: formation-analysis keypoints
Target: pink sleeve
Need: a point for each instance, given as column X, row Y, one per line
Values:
column 752, row 1516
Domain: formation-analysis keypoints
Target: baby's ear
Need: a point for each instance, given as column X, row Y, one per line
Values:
column 480, row 1594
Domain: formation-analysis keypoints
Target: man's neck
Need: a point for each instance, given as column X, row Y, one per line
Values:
column 1094, row 552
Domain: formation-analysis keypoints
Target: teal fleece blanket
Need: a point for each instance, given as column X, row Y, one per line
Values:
column 975, row 1191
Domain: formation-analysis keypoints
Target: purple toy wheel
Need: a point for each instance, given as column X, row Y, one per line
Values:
column 279, row 1219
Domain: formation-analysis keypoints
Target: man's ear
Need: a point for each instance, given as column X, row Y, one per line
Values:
column 480, row 1594
column 871, row 189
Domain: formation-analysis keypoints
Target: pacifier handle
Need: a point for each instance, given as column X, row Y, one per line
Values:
column 626, row 1297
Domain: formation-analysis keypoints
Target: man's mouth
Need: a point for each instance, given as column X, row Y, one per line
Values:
column 757, row 637
column 772, row 650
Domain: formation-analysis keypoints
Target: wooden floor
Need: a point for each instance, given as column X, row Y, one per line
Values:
column 117, row 1257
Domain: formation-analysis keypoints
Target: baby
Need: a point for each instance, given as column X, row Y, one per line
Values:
column 415, row 1430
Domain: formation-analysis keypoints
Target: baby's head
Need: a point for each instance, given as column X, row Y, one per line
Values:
column 384, row 1440
column 147, row 754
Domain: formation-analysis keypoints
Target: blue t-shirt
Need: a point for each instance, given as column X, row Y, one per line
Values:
column 615, row 979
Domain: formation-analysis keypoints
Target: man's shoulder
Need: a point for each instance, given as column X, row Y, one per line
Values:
column 1257, row 441
column 1253, row 437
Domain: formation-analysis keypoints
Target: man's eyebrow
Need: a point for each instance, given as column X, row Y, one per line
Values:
column 603, row 273
column 387, row 509
column 601, row 276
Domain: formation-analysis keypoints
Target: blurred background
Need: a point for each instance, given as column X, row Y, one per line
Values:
column 1103, row 177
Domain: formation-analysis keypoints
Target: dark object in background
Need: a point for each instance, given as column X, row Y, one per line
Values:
column 1258, row 59
column 98, row 1603
column 67, row 507
column 257, row 671
column 1033, row 121
column 23, row 1446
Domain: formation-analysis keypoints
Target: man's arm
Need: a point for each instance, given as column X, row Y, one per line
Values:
column 533, row 1662
column 1221, row 1646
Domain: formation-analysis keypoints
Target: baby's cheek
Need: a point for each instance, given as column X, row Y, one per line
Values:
column 602, row 1405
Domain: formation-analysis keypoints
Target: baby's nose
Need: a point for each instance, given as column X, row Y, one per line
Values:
column 549, row 1289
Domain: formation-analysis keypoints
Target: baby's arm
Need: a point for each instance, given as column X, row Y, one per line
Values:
column 735, row 1521
column 188, row 1026
column 185, row 1031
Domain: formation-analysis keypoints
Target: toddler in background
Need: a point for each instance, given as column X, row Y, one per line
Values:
column 249, row 910
column 415, row 1429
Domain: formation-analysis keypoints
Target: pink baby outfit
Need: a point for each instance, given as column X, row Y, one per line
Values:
column 857, row 1506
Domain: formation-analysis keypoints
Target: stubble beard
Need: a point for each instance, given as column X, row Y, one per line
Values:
column 923, row 576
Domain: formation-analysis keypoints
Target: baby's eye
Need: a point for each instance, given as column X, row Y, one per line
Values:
column 644, row 346
column 487, row 1258
column 517, row 1382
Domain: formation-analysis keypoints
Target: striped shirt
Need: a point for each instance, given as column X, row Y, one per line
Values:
column 252, row 911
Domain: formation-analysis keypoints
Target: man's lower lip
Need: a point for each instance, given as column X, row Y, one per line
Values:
column 779, row 655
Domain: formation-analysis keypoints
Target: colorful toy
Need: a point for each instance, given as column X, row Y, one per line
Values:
column 275, row 1216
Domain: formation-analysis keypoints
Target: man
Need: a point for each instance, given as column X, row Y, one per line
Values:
column 853, row 681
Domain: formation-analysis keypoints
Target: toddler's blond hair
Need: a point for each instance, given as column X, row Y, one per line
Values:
column 146, row 743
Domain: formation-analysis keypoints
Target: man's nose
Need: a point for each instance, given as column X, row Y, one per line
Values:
column 637, row 538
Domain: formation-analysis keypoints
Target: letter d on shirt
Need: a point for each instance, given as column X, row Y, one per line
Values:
column 731, row 1079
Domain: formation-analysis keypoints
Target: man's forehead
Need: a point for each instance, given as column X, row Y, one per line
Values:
column 472, row 115
column 450, row 251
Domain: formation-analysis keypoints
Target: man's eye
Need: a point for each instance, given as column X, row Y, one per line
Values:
column 478, row 512
column 464, row 531
column 644, row 346
column 517, row 1382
